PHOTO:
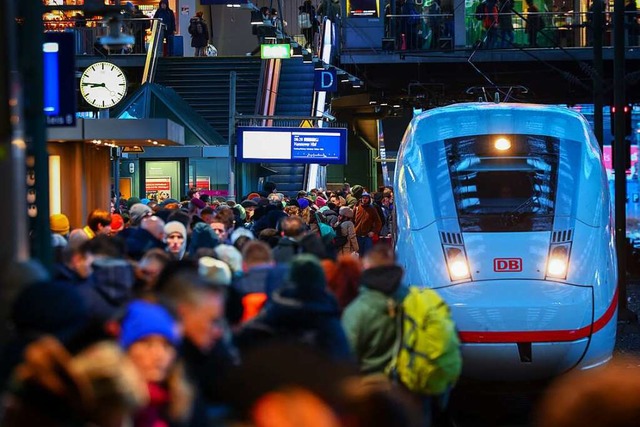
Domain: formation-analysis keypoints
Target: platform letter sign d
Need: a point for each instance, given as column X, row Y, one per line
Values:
column 326, row 80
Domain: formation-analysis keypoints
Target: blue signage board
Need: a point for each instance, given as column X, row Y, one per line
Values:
column 326, row 80
column 58, row 52
column 292, row 145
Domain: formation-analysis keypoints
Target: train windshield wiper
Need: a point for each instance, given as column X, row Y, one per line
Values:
column 515, row 216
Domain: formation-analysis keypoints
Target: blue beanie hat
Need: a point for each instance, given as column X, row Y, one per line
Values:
column 144, row 319
column 303, row 203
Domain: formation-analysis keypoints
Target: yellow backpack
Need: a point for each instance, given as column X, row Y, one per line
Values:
column 427, row 358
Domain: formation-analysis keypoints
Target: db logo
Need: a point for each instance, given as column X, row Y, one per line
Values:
column 507, row 264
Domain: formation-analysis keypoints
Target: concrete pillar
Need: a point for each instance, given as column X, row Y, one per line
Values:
column 186, row 9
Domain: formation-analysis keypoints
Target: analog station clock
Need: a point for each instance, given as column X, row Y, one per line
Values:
column 103, row 85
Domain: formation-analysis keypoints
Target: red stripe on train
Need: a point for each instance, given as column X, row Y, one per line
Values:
column 491, row 337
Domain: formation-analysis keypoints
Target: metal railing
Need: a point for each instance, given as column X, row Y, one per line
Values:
column 153, row 51
column 289, row 20
column 285, row 121
column 88, row 34
column 511, row 30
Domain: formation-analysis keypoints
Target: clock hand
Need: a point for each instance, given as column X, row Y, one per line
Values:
column 93, row 84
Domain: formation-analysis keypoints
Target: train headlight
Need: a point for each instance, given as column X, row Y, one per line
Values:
column 457, row 264
column 558, row 262
column 502, row 144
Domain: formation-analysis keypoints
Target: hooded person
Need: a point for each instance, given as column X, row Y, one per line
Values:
column 168, row 18
column 369, row 314
column 110, row 285
column 355, row 195
column 175, row 236
column 202, row 237
column 367, row 223
column 252, row 284
column 301, row 311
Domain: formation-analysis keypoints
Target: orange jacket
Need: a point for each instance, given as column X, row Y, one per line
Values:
column 366, row 219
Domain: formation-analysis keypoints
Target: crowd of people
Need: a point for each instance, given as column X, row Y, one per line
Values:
column 209, row 312
column 276, row 311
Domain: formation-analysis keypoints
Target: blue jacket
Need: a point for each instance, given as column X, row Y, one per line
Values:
column 108, row 289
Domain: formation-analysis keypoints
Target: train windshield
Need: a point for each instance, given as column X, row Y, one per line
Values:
column 504, row 182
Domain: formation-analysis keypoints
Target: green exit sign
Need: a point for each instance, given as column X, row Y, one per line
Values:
column 275, row 51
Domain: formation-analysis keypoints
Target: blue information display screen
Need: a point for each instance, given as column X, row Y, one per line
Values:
column 292, row 145
column 316, row 146
column 58, row 53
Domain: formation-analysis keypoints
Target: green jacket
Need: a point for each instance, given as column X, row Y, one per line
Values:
column 351, row 201
column 370, row 322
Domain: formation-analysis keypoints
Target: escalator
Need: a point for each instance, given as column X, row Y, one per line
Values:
column 294, row 98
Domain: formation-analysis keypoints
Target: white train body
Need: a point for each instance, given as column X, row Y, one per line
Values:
column 505, row 210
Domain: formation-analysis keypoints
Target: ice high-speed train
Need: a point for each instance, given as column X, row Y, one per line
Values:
column 504, row 209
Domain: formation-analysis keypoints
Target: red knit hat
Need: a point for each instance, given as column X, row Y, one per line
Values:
column 117, row 223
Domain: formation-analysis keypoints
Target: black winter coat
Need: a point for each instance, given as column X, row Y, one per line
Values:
column 312, row 321
column 199, row 31
column 168, row 19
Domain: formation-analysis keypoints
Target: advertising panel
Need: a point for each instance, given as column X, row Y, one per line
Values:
column 158, row 189
column 202, row 182
column 363, row 8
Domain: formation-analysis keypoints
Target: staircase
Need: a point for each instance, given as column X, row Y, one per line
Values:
column 295, row 98
column 204, row 84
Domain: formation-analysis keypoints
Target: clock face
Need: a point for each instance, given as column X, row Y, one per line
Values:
column 103, row 85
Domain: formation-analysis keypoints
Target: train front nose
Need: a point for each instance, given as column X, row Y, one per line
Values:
column 520, row 329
